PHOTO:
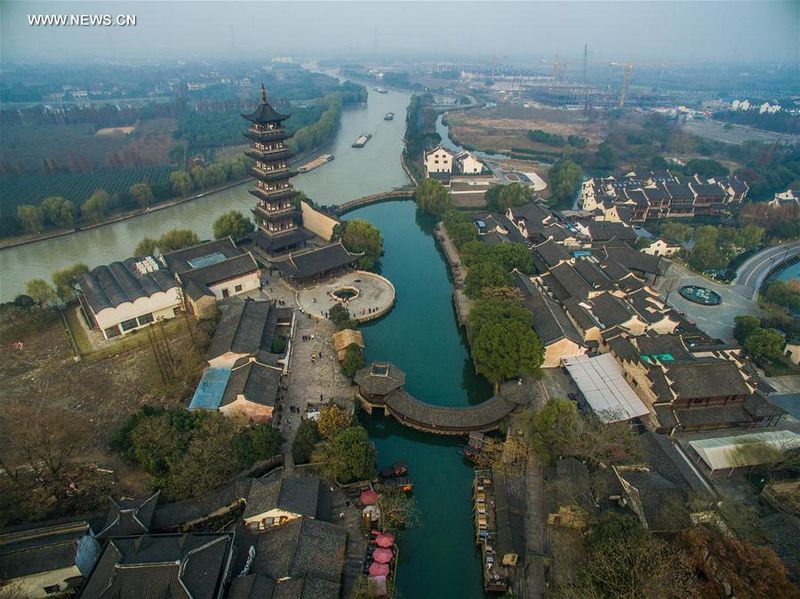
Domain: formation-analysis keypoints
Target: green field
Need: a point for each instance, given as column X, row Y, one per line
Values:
column 32, row 189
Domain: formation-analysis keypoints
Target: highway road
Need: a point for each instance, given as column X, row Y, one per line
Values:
column 751, row 274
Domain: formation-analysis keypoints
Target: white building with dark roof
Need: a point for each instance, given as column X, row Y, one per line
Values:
column 438, row 160
column 125, row 296
column 213, row 270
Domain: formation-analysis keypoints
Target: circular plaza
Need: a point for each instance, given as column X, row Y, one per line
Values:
column 366, row 295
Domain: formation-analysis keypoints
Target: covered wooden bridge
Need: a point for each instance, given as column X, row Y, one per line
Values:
column 380, row 387
column 446, row 420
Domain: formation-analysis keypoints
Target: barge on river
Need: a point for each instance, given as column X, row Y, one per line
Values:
column 362, row 140
column 389, row 116
column 316, row 163
column 380, row 90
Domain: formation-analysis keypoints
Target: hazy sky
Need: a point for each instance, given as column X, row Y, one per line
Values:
column 641, row 31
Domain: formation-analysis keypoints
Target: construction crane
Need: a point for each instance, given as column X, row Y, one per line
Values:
column 623, row 93
column 556, row 68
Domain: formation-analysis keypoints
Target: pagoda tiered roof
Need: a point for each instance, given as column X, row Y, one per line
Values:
column 268, row 155
column 265, row 113
column 273, row 175
column 275, row 214
column 272, row 196
column 272, row 135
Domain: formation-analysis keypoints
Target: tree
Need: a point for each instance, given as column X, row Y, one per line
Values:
column 565, row 178
column 460, row 228
column 675, row 232
column 744, row 327
column 146, row 247
column 705, row 168
column 41, row 292
column 58, row 211
column 512, row 256
column 181, row 182
column 304, row 441
column 31, row 218
column 174, row 239
column 500, row 198
column 338, row 314
column 749, row 236
column 94, row 208
column 729, row 567
column 360, row 236
column 624, row 560
column 353, row 360
column 142, row 193
column 432, row 197
column 347, row 457
column 706, row 252
column 232, row 224
column 332, row 421
column 398, row 510
column 507, row 349
column 495, row 309
column 764, row 345
column 256, row 443
column 64, row 280
column 559, row 430
column 485, row 274
column 783, row 295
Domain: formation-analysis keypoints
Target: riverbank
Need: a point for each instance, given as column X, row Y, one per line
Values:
column 27, row 239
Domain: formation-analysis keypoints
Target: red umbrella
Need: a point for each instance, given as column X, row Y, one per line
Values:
column 384, row 541
column 369, row 497
column 376, row 569
column 382, row 556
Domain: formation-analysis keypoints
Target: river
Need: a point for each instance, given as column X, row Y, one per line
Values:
column 353, row 173
column 438, row 558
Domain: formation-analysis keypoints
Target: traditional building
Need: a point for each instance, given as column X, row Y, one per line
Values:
column 277, row 213
column 438, row 160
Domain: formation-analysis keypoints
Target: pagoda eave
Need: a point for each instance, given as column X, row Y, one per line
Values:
column 273, row 196
column 274, row 176
column 276, row 215
column 276, row 135
column 270, row 155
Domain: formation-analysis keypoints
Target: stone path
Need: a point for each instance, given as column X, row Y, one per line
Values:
column 356, row 542
column 535, row 530
column 375, row 296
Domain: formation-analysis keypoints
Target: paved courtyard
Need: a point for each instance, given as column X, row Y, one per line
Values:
column 374, row 296
column 716, row 321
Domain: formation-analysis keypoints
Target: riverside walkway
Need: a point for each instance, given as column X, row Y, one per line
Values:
column 443, row 420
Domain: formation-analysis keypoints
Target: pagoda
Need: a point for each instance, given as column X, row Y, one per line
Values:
column 277, row 213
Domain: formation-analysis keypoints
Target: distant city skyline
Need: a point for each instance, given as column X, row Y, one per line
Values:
column 733, row 32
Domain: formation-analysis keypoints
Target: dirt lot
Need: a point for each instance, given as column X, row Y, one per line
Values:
column 44, row 376
column 500, row 128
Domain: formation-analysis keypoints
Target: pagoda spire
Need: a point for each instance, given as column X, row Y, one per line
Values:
column 263, row 93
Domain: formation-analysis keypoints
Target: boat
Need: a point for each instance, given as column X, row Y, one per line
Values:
column 404, row 484
column 395, row 470
column 380, row 90
column 316, row 163
column 389, row 116
column 362, row 140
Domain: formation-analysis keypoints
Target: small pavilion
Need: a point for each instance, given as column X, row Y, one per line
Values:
column 375, row 382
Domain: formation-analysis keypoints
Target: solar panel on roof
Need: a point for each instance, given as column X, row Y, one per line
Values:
column 207, row 260
column 209, row 392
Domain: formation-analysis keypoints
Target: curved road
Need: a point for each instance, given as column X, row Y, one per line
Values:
column 751, row 274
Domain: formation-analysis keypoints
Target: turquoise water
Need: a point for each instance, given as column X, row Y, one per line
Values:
column 438, row 558
column 793, row 272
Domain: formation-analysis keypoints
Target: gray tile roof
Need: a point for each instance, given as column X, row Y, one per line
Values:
column 611, row 310
column 120, row 282
column 246, row 327
column 302, row 548
column 373, row 379
column 312, row 262
column 605, row 231
column 129, row 516
column 706, row 378
column 551, row 252
column 295, row 494
column 258, row 383
column 633, row 259
column 179, row 261
column 571, row 281
column 547, row 317
column 282, row 241
column 593, row 275
column 582, row 317
column 33, row 550
column 190, row 566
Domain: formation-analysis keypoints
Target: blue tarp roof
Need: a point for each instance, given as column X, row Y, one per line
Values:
column 208, row 395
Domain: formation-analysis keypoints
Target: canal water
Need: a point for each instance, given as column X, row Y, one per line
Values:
column 354, row 172
column 438, row 557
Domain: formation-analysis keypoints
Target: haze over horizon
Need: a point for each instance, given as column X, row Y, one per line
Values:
column 732, row 32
